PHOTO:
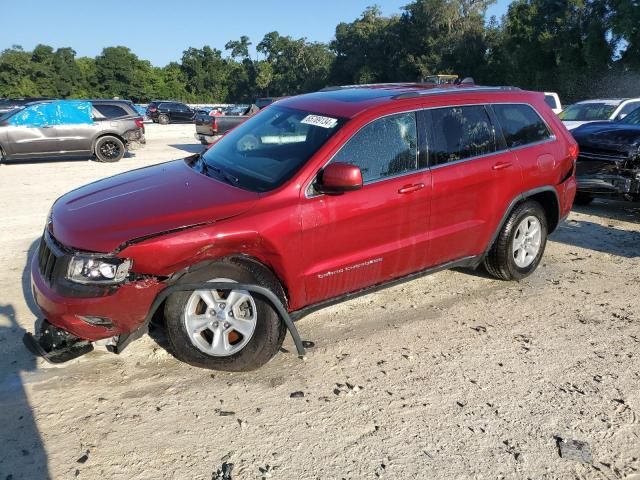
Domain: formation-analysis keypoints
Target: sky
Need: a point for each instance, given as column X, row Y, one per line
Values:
column 160, row 30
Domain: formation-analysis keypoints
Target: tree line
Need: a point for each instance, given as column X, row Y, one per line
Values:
column 578, row 48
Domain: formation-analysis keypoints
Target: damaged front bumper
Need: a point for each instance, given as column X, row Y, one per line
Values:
column 56, row 345
column 609, row 184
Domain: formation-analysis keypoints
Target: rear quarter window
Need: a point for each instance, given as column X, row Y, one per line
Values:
column 111, row 111
column 521, row 124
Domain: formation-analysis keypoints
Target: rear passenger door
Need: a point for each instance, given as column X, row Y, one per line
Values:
column 182, row 113
column 474, row 180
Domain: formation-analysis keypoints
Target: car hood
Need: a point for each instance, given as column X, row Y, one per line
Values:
column 613, row 137
column 573, row 124
column 103, row 215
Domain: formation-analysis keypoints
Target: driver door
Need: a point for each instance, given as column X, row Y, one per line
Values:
column 380, row 232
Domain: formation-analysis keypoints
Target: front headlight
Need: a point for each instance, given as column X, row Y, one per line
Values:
column 84, row 269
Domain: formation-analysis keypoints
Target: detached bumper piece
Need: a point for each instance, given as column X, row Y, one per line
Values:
column 56, row 345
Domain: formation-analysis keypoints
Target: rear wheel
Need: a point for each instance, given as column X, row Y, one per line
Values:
column 163, row 119
column 583, row 198
column 233, row 330
column 109, row 149
column 520, row 245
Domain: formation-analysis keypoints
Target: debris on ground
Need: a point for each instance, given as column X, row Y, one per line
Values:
column 575, row 450
column 346, row 388
column 224, row 472
column 297, row 395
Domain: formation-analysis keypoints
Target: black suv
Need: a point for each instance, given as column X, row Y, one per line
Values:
column 165, row 112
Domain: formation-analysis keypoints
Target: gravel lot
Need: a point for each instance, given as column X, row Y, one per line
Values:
column 451, row 376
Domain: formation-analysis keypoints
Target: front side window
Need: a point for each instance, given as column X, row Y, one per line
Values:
column 383, row 148
column 458, row 133
column 269, row 148
column 633, row 118
column 627, row 109
column 551, row 101
column 521, row 124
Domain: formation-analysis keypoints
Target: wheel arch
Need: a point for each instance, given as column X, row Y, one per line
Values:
column 546, row 196
column 106, row 134
column 245, row 261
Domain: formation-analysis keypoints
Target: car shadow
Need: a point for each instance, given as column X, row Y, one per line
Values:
column 70, row 159
column 614, row 209
column 593, row 236
column 189, row 147
column 27, row 292
column 22, row 454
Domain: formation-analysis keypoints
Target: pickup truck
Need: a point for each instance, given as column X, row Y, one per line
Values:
column 211, row 128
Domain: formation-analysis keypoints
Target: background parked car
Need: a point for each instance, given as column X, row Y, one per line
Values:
column 104, row 128
column 553, row 100
column 609, row 161
column 597, row 111
column 165, row 112
column 210, row 127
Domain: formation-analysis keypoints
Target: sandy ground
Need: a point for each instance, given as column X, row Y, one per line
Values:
column 451, row 376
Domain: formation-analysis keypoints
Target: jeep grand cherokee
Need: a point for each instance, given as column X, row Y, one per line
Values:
column 317, row 198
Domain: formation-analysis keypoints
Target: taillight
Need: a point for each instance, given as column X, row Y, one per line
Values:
column 574, row 150
column 214, row 125
column 139, row 123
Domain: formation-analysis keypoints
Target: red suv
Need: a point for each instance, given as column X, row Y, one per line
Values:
column 316, row 198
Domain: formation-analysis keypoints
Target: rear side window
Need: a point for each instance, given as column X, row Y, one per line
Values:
column 384, row 148
column 111, row 111
column 457, row 133
column 521, row 125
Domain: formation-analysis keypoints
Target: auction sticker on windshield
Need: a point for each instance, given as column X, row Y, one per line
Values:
column 320, row 121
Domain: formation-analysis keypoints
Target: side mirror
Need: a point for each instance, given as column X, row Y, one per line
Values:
column 338, row 178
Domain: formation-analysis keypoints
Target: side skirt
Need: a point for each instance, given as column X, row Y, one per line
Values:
column 466, row 262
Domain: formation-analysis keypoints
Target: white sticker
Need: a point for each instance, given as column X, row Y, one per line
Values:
column 320, row 121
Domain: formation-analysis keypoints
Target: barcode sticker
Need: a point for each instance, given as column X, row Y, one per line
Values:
column 320, row 121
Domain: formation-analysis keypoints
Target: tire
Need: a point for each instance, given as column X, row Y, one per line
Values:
column 260, row 347
column 109, row 149
column 163, row 119
column 583, row 199
column 503, row 260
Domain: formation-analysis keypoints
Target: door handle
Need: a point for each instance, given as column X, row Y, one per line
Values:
column 502, row 165
column 411, row 188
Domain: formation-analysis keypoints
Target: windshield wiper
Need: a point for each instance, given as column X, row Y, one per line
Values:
column 225, row 175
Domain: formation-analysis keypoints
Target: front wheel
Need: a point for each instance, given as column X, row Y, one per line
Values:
column 520, row 245
column 109, row 149
column 230, row 329
column 163, row 119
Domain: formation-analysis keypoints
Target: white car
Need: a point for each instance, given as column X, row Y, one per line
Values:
column 598, row 111
column 553, row 100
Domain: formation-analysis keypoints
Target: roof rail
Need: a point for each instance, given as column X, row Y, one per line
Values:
column 452, row 89
column 333, row 88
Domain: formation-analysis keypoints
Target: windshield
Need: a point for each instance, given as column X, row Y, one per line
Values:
column 7, row 115
column 633, row 118
column 269, row 148
column 589, row 111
